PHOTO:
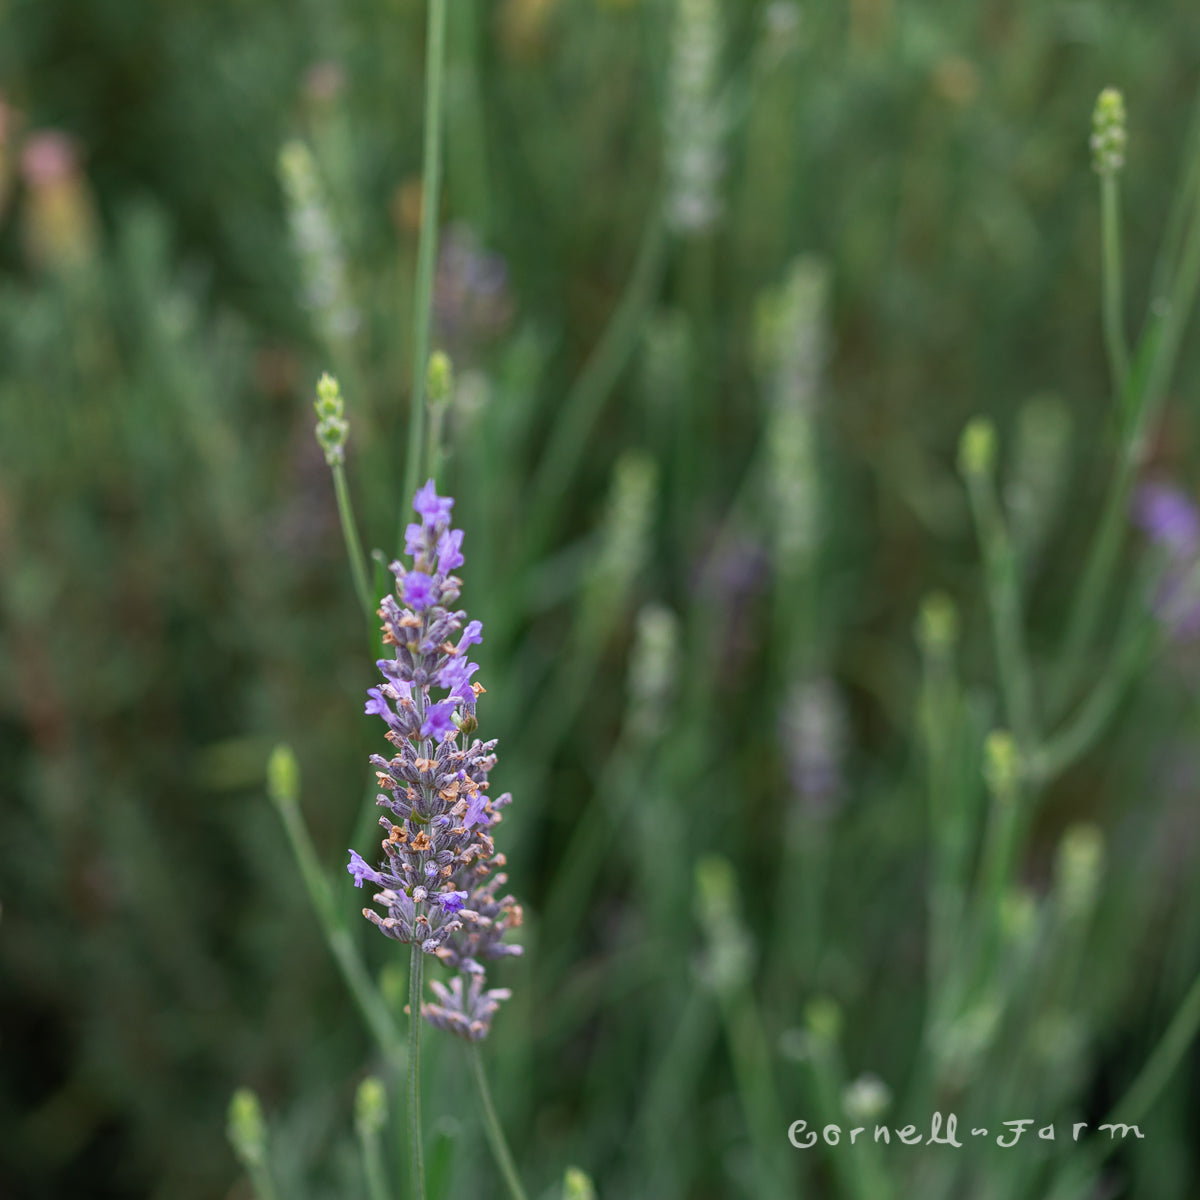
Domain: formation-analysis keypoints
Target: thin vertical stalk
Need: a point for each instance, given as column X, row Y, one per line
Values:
column 262, row 1183
column 431, row 187
column 353, row 969
column 578, row 414
column 495, row 1133
column 417, row 1153
column 1102, row 558
column 1004, row 600
column 1114, row 283
column 358, row 564
column 1162, row 1063
column 372, row 1157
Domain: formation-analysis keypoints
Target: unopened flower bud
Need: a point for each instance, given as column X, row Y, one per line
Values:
column 937, row 624
column 1108, row 132
column 577, row 1185
column 439, row 379
column 246, row 1129
column 867, row 1098
column 1001, row 764
column 977, row 447
column 370, row 1106
column 332, row 426
column 823, row 1018
column 1079, row 866
column 283, row 776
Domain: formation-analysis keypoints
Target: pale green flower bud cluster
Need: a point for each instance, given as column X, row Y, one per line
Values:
column 370, row 1107
column 729, row 955
column 695, row 121
column 1079, row 867
column 317, row 244
column 439, row 379
column 1108, row 132
column 653, row 670
column 1001, row 764
column 332, row 427
column 246, row 1130
column 977, row 448
column 937, row 624
column 792, row 339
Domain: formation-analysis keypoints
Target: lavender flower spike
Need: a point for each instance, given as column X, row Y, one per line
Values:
column 439, row 880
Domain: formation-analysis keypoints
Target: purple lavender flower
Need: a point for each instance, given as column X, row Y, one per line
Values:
column 414, row 539
column 418, row 590
column 471, row 298
column 432, row 508
column 439, row 720
column 449, row 550
column 438, row 882
column 1171, row 519
column 361, row 870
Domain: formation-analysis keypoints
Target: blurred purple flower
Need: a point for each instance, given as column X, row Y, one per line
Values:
column 471, row 301
column 1169, row 517
column 1171, row 520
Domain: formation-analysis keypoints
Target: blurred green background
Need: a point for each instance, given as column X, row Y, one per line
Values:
column 698, row 633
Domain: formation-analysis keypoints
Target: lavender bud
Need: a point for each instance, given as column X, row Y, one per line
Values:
column 813, row 735
column 283, row 776
column 937, row 625
column 577, row 1185
column 695, row 118
column 1079, row 867
column 439, row 379
column 653, row 666
column 246, row 1130
column 370, row 1107
column 729, row 955
column 977, row 448
column 1001, row 765
column 867, row 1098
column 1018, row 915
column 823, row 1019
column 792, row 348
column 317, row 244
column 1108, row 133
column 332, row 426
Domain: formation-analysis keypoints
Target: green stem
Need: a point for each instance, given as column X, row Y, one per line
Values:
column 431, row 186
column 495, row 1134
column 1056, row 754
column 579, row 412
column 416, row 963
column 433, row 448
column 1079, row 1179
column 1114, row 284
column 354, row 972
column 263, row 1184
column 751, row 1058
column 1003, row 594
column 358, row 564
column 1102, row 559
column 1161, row 1064
column 372, row 1156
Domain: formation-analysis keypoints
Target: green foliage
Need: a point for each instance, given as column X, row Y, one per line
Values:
column 702, row 469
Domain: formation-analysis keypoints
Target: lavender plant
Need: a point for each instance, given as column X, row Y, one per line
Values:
column 440, row 876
